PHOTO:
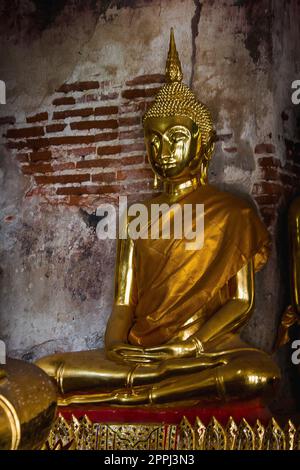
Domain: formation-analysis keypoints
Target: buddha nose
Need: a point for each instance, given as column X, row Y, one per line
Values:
column 165, row 148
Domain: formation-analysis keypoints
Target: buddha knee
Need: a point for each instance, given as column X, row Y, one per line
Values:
column 263, row 378
column 248, row 377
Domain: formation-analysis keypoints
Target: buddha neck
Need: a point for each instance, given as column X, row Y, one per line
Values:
column 175, row 189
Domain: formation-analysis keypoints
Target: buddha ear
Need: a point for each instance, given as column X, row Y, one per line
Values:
column 206, row 156
column 196, row 133
column 209, row 148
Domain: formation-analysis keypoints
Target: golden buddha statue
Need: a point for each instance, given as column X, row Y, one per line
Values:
column 294, row 236
column 291, row 316
column 173, row 335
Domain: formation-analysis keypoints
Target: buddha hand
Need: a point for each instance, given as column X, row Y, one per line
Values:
column 130, row 353
column 124, row 352
column 174, row 350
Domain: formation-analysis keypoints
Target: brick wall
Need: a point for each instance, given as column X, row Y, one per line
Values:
column 278, row 182
column 88, row 144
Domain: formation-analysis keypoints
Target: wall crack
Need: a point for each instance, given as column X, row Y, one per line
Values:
column 195, row 31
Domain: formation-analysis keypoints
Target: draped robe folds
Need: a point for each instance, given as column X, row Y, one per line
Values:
column 175, row 287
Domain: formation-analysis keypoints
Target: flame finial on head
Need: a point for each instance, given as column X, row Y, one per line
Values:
column 173, row 65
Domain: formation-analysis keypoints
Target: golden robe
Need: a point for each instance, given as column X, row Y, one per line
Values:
column 174, row 289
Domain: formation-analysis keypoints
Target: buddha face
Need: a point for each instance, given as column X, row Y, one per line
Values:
column 173, row 144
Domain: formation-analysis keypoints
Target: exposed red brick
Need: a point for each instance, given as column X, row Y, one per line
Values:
column 63, row 179
column 106, row 136
column 268, row 162
column 22, row 157
column 95, row 163
column 99, row 111
column 40, row 156
column 110, row 162
column 134, row 174
column 78, row 86
column 132, row 147
column 104, row 124
column 63, row 166
column 130, row 121
column 55, row 127
column 63, row 101
column 109, row 149
column 146, row 79
column 82, row 151
column 25, row 132
column 270, row 174
column 37, row 117
column 230, row 149
column 83, row 112
column 139, row 93
column 135, row 160
column 74, row 200
column 104, row 84
column 269, row 199
column 114, row 149
column 91, row 189
column 106, row 110
column 9, row 218
column 267, row 188
column 71, row 140
column 7, row 120
column 35, row 144
column 134, row 134
column 39, row 168
column 105, row 177
column 21, row 144
column 264, row 148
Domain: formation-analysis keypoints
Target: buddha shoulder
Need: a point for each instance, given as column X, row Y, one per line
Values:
column 228, row 201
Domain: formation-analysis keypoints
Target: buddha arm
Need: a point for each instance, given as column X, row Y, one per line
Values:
column 230, row 317
column 294, row 236
column 235, row 312
column 121, row 318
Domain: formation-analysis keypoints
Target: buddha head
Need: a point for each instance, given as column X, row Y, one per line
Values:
column 178, row 128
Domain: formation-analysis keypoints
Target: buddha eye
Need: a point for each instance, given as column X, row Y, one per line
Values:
column 178, row 137
column 155, row 141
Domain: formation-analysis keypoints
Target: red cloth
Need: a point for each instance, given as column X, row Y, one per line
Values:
column 251, row 411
